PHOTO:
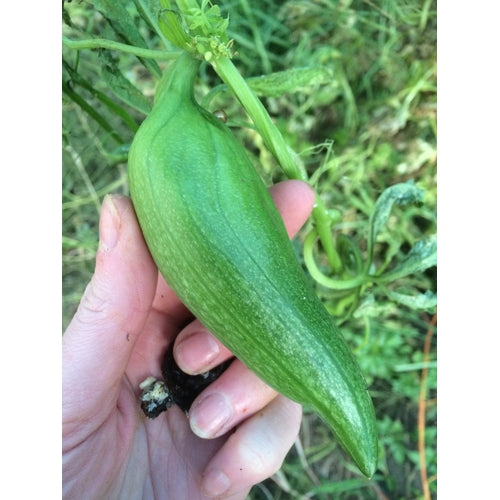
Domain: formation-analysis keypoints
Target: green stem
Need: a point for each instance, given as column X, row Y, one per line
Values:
column 323, row 229
column 366, row 336
column 102, row 43
column 274, row 141
column 322, row 279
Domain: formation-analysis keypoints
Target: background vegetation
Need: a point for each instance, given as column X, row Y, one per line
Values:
column 363, row 120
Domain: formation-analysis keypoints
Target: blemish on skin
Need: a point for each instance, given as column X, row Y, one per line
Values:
column 128, row 337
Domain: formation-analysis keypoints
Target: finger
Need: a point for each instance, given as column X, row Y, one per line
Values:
column 237, row 394
column 167, row 302
column 255, row 451
column 294, row 200
column 99, row 340
column 197, row 350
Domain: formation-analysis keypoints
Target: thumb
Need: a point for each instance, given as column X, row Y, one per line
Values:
column 99, row 340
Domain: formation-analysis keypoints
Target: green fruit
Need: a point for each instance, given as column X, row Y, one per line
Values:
column 220, row 243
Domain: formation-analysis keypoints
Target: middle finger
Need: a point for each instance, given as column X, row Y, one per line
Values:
column 196, row 350
column 236, row 395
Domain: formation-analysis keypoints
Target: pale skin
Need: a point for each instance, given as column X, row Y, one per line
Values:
column 126, row 319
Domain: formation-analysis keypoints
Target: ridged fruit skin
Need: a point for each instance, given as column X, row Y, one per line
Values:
column 220, row 243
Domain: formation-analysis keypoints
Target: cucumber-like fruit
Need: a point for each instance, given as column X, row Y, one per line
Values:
column 220, row 243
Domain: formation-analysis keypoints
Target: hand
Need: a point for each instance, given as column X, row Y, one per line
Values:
column 126, row 319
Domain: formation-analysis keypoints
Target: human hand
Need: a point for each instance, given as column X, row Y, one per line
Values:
column 126, row 319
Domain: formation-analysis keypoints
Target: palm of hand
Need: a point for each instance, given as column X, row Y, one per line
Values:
column 130, row 452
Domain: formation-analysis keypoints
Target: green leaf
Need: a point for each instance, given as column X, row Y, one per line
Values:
column 66, row 17
column 421, row 302
column 421, row 256
column 85, row 106
column 372, row 308
column 401, row 194
column 340, row 486
column 169, row 22
column 288, row 81
column 124, row 26
column 121, row 86
column 77, row 79
column 149, row 10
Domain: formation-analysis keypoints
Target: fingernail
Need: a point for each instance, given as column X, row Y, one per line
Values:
column 195, row 353
column 208, row 417
column 109, row 226
column 215, row 483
